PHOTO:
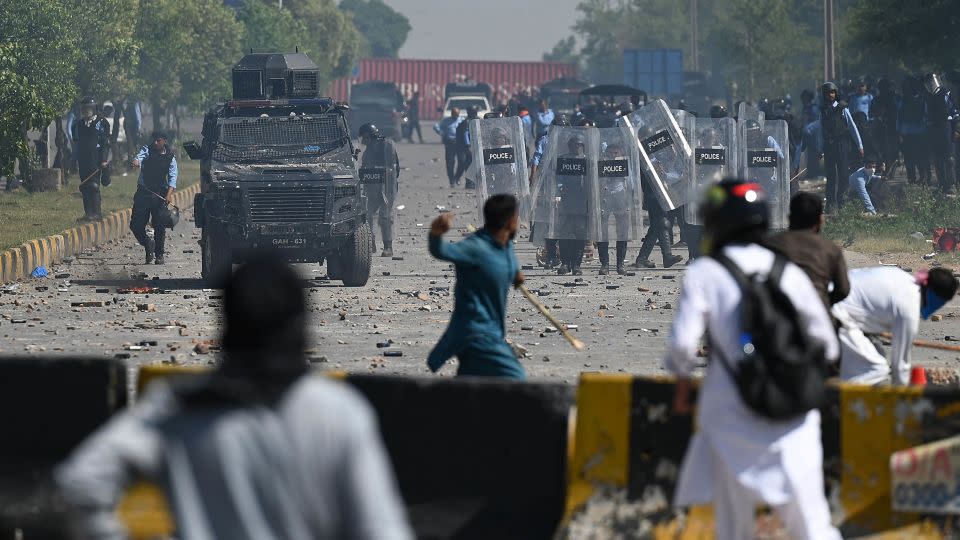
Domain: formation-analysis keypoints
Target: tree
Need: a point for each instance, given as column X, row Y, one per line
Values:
column 108, row 54
column 336, row 41
column 187, row 50
column 383, row 29
column 38, row 59
column 272, row 29
column 766, row 49
column 564, row 51
column 918, row 35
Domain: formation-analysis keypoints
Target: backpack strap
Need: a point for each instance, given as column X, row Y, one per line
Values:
column 776, row 271
column 738, row 275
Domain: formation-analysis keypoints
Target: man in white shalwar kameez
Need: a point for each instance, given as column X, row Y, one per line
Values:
column 887, row 299
column 738, row 459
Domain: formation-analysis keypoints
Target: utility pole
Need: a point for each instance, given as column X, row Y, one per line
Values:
column 694, row 36
column 829, row 47
column 280, row 4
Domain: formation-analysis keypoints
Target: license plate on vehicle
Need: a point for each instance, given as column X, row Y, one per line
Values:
column 288, row 242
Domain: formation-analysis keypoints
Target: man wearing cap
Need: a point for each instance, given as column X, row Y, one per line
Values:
column 158, row 179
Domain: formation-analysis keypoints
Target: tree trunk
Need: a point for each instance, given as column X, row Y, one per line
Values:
column 156, row 111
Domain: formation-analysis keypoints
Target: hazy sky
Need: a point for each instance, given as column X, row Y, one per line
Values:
column 484, row 29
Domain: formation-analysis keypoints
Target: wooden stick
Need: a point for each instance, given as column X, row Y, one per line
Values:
column 87, row 179
column 924, row 343
column 798, row 174
column 577, row 344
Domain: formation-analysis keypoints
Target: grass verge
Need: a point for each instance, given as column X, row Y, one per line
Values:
column 25, row 216
column 915, row 209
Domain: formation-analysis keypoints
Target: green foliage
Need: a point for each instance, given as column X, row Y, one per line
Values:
column 564, row 51
column 917, row 35
column 270, row 29
column 384, row 30
column 336, row 42
column 108, row 47
column 188, row 48
column 606, row 28
column 764, row 46
column 38, row 56
column 917, row 209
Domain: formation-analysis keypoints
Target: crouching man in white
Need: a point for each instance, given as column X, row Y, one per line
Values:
column 887, row 299
column 739, row 458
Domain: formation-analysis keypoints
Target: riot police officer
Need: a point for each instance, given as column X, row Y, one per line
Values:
column 941, row 126
column 380, row 153
column 837, row 130
column 91, row 138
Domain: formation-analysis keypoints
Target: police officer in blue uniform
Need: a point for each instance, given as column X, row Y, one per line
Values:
column 91, row 138
column 158, row 180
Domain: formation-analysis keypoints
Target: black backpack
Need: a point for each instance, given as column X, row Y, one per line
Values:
column 782, row 372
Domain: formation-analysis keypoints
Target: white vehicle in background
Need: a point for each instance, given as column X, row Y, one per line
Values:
column 465, row 94
column 465, row 102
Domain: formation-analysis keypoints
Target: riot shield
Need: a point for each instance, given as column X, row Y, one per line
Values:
column 378, row 172
column 765, row 159
column 500, row 161
column 618, row 171
column 664, row 153
column 715, row 157
column 566, row 204
column 745, row 112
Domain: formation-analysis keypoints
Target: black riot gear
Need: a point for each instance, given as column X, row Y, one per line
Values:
column 825, row 92
column 369, row 130
column 718, row 111
column 561, row 120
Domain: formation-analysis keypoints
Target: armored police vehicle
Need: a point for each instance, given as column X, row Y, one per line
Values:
column 278, row 171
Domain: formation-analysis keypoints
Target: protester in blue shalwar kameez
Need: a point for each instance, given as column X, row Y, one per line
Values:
column 486, row 267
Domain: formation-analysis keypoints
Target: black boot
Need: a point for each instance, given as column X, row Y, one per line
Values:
column 150, row 247
column 621, row 257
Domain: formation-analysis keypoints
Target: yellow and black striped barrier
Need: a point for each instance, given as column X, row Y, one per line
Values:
column 626, row 438
column 18, row 262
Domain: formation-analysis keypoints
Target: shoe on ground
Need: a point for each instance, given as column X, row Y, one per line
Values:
column 563, row 270
column 604, row 269
column 672, row 261
column 620, row 270
column 387, row 252
column 469, row 184
column 577, row 271
column 643, row 263
column 159, row 260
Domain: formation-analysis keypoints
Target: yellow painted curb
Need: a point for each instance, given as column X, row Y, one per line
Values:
column 18, row 262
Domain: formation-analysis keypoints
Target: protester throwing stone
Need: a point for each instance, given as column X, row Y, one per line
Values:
column 259, row 448
column 486, row 267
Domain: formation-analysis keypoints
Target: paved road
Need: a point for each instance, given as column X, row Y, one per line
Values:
column 622, row 319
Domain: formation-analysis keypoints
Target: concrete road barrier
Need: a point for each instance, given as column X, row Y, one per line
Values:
column 626, row 438
column 47, row 407
column 474, row 458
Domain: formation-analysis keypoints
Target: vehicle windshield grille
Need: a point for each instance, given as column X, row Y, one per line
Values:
column 271, row 138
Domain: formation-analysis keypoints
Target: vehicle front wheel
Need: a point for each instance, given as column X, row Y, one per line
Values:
column 353, row 264
column 216, row 258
